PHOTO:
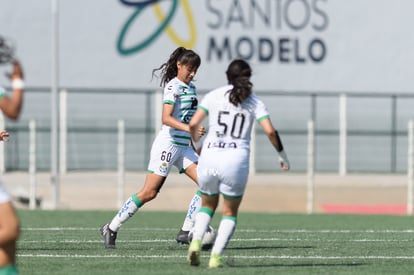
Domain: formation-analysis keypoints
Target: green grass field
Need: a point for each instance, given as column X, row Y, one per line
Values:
column 68, row 242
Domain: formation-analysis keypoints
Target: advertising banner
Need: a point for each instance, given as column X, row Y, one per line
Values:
column 292, row 45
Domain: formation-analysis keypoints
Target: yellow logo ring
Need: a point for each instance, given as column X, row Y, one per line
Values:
column 171, row 33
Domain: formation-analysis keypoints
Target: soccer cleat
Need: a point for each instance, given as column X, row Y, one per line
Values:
column 194, row 253
column 182, row 237
column 207, row 246
column 215, row 261
column 109, row 236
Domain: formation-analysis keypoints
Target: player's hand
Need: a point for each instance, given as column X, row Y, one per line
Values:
column 201, row 131
column 4, row 136
column 283, row 160
column 284, row 166
column 17, row 72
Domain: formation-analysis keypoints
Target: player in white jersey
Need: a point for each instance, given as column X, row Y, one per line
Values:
column 171, row 147
column 224, row 161
column 9, row 221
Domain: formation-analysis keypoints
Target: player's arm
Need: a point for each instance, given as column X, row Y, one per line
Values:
column 169, row 120
column 195, row 125
column 274, row 138
column 4, row 135
column 11, row 106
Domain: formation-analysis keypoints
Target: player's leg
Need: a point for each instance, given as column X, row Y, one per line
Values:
column 204, row 216
column 9, row 233
column 232, row 189
column 193, row 207
column 209, row 187
column 225, row 230
column 148, row 192
column 188, row 164
column 203, row 219
column 163, row 155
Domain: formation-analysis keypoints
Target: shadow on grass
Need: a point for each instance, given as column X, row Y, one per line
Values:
column 232, row 264
column 269, row 247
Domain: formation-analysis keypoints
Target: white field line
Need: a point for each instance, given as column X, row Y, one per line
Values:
column 327, row 231
column 281, row 257
column 232, row 240
column 368, row 231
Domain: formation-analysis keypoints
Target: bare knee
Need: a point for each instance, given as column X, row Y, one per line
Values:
column 231, row 207
column 152, row 195
column 147, row 195
column 152, row 186
column 10, row 232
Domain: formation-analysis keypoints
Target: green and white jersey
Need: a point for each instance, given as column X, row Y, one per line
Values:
column 2, row 92
column 4, row 195
column 230, row 126
column 184, row 99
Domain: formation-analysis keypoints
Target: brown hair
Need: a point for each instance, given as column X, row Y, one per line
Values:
column 238, row 74
column 169, row 69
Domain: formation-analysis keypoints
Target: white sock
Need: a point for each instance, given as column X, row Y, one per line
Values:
column 129, row 208
column 192, row 211
column 200, row 227
column 224, row 234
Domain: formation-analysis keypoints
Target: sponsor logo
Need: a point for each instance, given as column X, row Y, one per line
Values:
column 163, row 167
column 164, row 20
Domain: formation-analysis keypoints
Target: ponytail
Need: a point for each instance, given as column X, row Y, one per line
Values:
column 238, row 74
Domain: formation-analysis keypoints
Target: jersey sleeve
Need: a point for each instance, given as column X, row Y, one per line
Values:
column 261, row 110
column 170, row 94
column 2, row 92
column 205, row 103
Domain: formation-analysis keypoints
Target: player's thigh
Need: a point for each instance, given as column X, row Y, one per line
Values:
column 9, row 223
column 152, row 186
column 191, row 172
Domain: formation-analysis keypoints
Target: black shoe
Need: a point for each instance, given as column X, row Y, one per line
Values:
column 182, row 237
column 207, row 246
column 109, row 236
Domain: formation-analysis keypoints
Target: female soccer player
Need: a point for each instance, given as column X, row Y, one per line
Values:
column 224, row 161
column 172, row 146
column 9, row 222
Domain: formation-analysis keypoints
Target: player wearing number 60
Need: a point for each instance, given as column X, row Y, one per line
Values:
column 224, row 161
column 171, row 147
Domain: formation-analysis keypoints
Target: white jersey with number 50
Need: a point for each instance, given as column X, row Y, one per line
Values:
column 230, row 126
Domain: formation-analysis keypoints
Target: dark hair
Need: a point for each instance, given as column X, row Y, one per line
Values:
column 238, row 74
column 6, row 51
column 169, row 69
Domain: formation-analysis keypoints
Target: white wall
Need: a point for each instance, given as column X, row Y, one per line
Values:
column 368, row 44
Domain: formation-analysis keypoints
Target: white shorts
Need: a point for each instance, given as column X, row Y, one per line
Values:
column 164, row 155
column 223, row 171
column 4, row 196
